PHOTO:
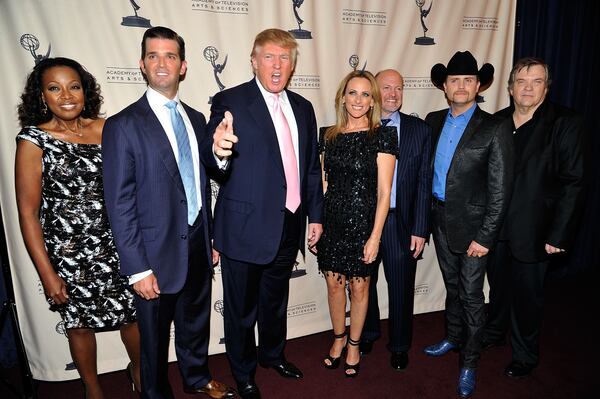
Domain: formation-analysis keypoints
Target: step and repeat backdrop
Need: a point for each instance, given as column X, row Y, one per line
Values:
column 335, row 36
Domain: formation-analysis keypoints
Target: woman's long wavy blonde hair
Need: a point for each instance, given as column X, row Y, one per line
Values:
column 374, row 114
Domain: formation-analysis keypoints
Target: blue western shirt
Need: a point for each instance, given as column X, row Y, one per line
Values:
column 454, row 127
column 394, row 121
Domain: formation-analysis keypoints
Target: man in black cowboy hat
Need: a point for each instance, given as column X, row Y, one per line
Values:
column 472, row 177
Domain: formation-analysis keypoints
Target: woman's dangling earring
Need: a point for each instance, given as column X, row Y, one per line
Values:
column 44, row 107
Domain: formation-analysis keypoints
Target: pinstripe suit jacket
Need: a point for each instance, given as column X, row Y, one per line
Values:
column 413, row 181
column 144, row 194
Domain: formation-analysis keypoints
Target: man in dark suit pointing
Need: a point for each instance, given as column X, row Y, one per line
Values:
column 472, row 177
column 407, row 224
column 271, row 184
column 158, row 203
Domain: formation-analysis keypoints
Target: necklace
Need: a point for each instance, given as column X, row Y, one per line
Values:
column 77, row 131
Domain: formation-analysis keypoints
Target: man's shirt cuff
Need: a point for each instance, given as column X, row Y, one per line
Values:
column 134, row 278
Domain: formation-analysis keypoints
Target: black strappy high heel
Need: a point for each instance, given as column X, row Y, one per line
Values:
column 334, row 362
column 352, row 367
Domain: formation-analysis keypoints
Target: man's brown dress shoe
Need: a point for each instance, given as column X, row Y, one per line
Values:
column 214, row 389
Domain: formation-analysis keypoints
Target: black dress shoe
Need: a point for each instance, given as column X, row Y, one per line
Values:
column 399, row 360
column 287, row 370
column 248, row 390
column 518, row 370
column 365, row 347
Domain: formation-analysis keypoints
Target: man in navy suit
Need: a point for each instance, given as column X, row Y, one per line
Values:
column 158, row 201
column 407, row 224
column 263, row 203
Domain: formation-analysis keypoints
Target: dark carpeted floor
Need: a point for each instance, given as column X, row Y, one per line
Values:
column 568, row 369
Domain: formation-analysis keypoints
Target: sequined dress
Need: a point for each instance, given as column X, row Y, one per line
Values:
column 351, row 198
column 77, row 235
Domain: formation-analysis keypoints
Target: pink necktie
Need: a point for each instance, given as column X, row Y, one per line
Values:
column 288, row 156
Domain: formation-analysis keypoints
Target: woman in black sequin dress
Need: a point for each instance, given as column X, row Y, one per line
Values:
column 358, row 158
column 58, row 176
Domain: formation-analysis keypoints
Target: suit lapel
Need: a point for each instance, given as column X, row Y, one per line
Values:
column 157, row 136
column 439, row 119
column 302, row 136
column 405, row 142
column 198, row 132
column 469, row 131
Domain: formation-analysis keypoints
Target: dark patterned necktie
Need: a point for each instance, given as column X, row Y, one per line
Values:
column 384, row 122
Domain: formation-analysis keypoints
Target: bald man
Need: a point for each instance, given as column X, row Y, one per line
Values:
column 406, row 227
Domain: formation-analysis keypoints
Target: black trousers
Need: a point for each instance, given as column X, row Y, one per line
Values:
column 258, row 294
column 463, row 277
column 399, row 267
column 189, row 310
column 516, row 300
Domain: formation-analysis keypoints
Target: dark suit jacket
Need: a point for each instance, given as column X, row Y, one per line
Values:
column 479, row 180
column 548, row 188
column 249, row 212
column 413, row 181
column 144, row 194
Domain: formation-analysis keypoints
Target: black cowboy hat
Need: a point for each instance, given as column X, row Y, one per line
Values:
column 462, row 63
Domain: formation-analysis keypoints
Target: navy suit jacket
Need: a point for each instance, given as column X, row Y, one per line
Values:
column 144, row 194
column 249, row 212
column 413, row 180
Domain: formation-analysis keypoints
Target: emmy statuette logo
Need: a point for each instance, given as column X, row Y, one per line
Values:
column 297, row 272
column 353, row 61
column 299, row 33
column 424, row 40
column 136, row 20
column 31, row 43
column 219, row 307
column 211, row 54
column 349, row 301
column 214, row 190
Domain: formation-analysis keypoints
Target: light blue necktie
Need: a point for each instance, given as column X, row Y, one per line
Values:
column 185, row 161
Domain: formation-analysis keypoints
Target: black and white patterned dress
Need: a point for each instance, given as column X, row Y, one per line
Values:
column 351, row 198
column 78, row 238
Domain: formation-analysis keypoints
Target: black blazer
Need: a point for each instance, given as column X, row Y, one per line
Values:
column 548, row 187
column 479, row 180
column 413, row 181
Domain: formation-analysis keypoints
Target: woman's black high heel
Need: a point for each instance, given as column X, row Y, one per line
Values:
column 334, row 362
column 352, row 367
